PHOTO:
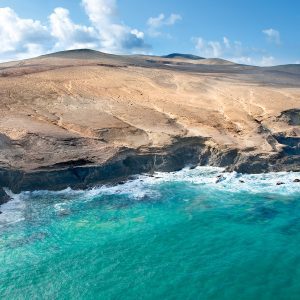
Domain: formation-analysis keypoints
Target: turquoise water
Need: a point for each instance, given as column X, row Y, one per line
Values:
column 173, row 236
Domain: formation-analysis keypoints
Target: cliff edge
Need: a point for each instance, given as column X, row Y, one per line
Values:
column 81, row 117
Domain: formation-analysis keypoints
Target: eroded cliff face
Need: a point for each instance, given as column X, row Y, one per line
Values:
column 82, row 117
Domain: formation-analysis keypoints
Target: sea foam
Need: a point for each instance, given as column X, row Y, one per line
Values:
column 147, row 187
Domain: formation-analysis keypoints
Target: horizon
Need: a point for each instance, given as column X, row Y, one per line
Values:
column 29, row 30
column 149, row 149
column 146, row 55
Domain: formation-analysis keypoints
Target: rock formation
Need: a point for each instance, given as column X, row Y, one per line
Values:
column 82, row 117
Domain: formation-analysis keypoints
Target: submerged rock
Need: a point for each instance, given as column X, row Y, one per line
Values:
column 220, row 178
column 64, row 212
column 3, row 197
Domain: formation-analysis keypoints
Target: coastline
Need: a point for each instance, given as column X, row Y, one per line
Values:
column 190, row 152
column 82, row 118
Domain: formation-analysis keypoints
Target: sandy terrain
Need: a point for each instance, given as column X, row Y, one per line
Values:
column 85, row 108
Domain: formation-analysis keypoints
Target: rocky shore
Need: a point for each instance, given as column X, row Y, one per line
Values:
column 186, row 152
column 81, row 118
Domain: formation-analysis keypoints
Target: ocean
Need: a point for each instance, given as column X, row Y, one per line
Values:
column 193, row 234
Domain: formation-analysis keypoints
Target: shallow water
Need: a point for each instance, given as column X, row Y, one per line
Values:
column 173, row 236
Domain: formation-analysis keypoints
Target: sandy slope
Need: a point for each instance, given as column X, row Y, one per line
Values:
column 85, row 108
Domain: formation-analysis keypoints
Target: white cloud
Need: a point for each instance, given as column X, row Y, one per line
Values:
column 70, row 35
column 272, row 35
column 233, row 51
column 209, row 48
column 20, row 38
column 173, row 18
column 244, row 60
column 267, row 61
column 263, row 61
column 154, row 23
column 226, row 42
column 114, row 36
column 222, row 48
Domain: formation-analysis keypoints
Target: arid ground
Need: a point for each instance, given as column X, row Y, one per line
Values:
column 82, row 109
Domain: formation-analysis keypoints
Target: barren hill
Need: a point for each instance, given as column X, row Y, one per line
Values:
column 183, row 56
column 79, row 117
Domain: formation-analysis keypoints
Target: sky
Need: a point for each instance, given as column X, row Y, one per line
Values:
column 257, row 32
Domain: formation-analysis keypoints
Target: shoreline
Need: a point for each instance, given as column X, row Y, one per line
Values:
column 141, row 187
column 190, row 152
column 83, row 118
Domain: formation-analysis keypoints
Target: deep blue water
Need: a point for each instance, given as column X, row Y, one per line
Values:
column 173, row 236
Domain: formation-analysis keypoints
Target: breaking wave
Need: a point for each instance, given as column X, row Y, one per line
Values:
column 148, row 187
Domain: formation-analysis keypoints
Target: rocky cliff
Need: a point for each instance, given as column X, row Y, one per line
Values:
column 82, row 117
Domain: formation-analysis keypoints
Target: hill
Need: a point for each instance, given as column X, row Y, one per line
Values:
column 80, row 117
column 180, row 55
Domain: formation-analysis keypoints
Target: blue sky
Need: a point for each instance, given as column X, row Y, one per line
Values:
column 257, row 32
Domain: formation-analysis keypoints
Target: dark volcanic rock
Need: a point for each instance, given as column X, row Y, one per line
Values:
column 187, row 151
column 3, row 197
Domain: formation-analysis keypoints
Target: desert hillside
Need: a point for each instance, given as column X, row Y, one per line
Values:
column 85, row 108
